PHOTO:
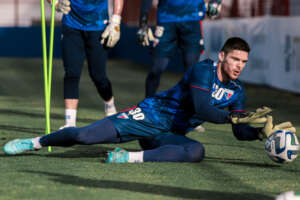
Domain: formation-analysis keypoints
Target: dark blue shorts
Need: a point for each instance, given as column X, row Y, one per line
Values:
column 134, row 124
column 172, row 35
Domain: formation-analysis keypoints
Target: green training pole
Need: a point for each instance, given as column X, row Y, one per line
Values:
column 52, row 26
column 47, row 68
column 45, row 60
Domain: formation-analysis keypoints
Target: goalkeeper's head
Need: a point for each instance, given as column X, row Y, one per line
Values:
column 232, row 59
column 235, row 43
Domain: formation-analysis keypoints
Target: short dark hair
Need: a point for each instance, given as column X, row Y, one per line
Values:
column 235, row 43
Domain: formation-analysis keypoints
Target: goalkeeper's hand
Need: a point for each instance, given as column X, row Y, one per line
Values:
column 213, row 8
column 144, row 36
column 269, row 128
column 111, row 34
column 63, row 6
column 256, row 117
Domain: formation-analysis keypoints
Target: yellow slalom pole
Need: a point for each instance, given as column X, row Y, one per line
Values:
column 47, row 64
column 52, row 26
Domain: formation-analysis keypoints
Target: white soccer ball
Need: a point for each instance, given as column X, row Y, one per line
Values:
column 282, row 146
column 291, row 195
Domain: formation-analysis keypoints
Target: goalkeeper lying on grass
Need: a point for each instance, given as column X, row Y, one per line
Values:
column 161, row 122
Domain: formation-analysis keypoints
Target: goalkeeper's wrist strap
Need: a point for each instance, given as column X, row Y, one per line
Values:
column 116, row 19
column 260, row 133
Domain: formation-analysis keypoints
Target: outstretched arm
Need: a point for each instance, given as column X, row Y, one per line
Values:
column 246, row 132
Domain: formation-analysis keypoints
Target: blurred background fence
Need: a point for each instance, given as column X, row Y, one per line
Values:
column 272, row 27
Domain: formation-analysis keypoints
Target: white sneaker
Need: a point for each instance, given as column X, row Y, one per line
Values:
column 66, row 126
column 109, row 109
column 200, row 129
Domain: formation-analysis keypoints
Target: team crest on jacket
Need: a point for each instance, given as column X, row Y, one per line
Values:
column 122, row 116
column 228, row 93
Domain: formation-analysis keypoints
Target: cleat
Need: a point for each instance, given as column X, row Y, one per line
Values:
column 18, row 146
column 118, row 155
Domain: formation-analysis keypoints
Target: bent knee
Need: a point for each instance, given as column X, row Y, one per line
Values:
column 196, row 152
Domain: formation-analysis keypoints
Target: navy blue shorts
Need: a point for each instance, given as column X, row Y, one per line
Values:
column 133, row 124
column 172, row 35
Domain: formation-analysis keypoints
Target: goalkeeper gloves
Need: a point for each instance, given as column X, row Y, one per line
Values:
column 256, row 117
column 269, row 128
column 111, row 34
column 62, row 6
column 144, row 35
column 213, row 8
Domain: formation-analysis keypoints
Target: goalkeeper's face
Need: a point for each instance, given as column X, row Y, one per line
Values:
column 233, row 63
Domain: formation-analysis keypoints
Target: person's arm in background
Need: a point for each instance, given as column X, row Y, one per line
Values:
column 118, row 7
column 144, row 12
column 144, row 34
column 62, row 6
column 111, row 34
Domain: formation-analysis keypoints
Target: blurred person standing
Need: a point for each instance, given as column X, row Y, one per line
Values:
column 179, row 25
column 87, row 33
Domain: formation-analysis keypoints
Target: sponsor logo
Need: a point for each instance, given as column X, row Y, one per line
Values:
column 123, row 116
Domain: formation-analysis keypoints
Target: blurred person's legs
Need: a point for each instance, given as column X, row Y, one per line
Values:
column 153, row 78
column 192, row 44
column 97, row 57
column 73, row 54
column 161, row 54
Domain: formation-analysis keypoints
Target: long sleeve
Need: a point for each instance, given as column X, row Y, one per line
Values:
column 204, row 110
column 200, row 86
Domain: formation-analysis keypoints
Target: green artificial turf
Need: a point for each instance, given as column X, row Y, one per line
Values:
column 232, row 170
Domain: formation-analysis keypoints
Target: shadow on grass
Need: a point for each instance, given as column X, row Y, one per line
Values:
column 245, row 163
column 84, row 152
column 41, row 116
column 147, row 188
column 22, row 129
column 232, row 145
column 80, row 151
